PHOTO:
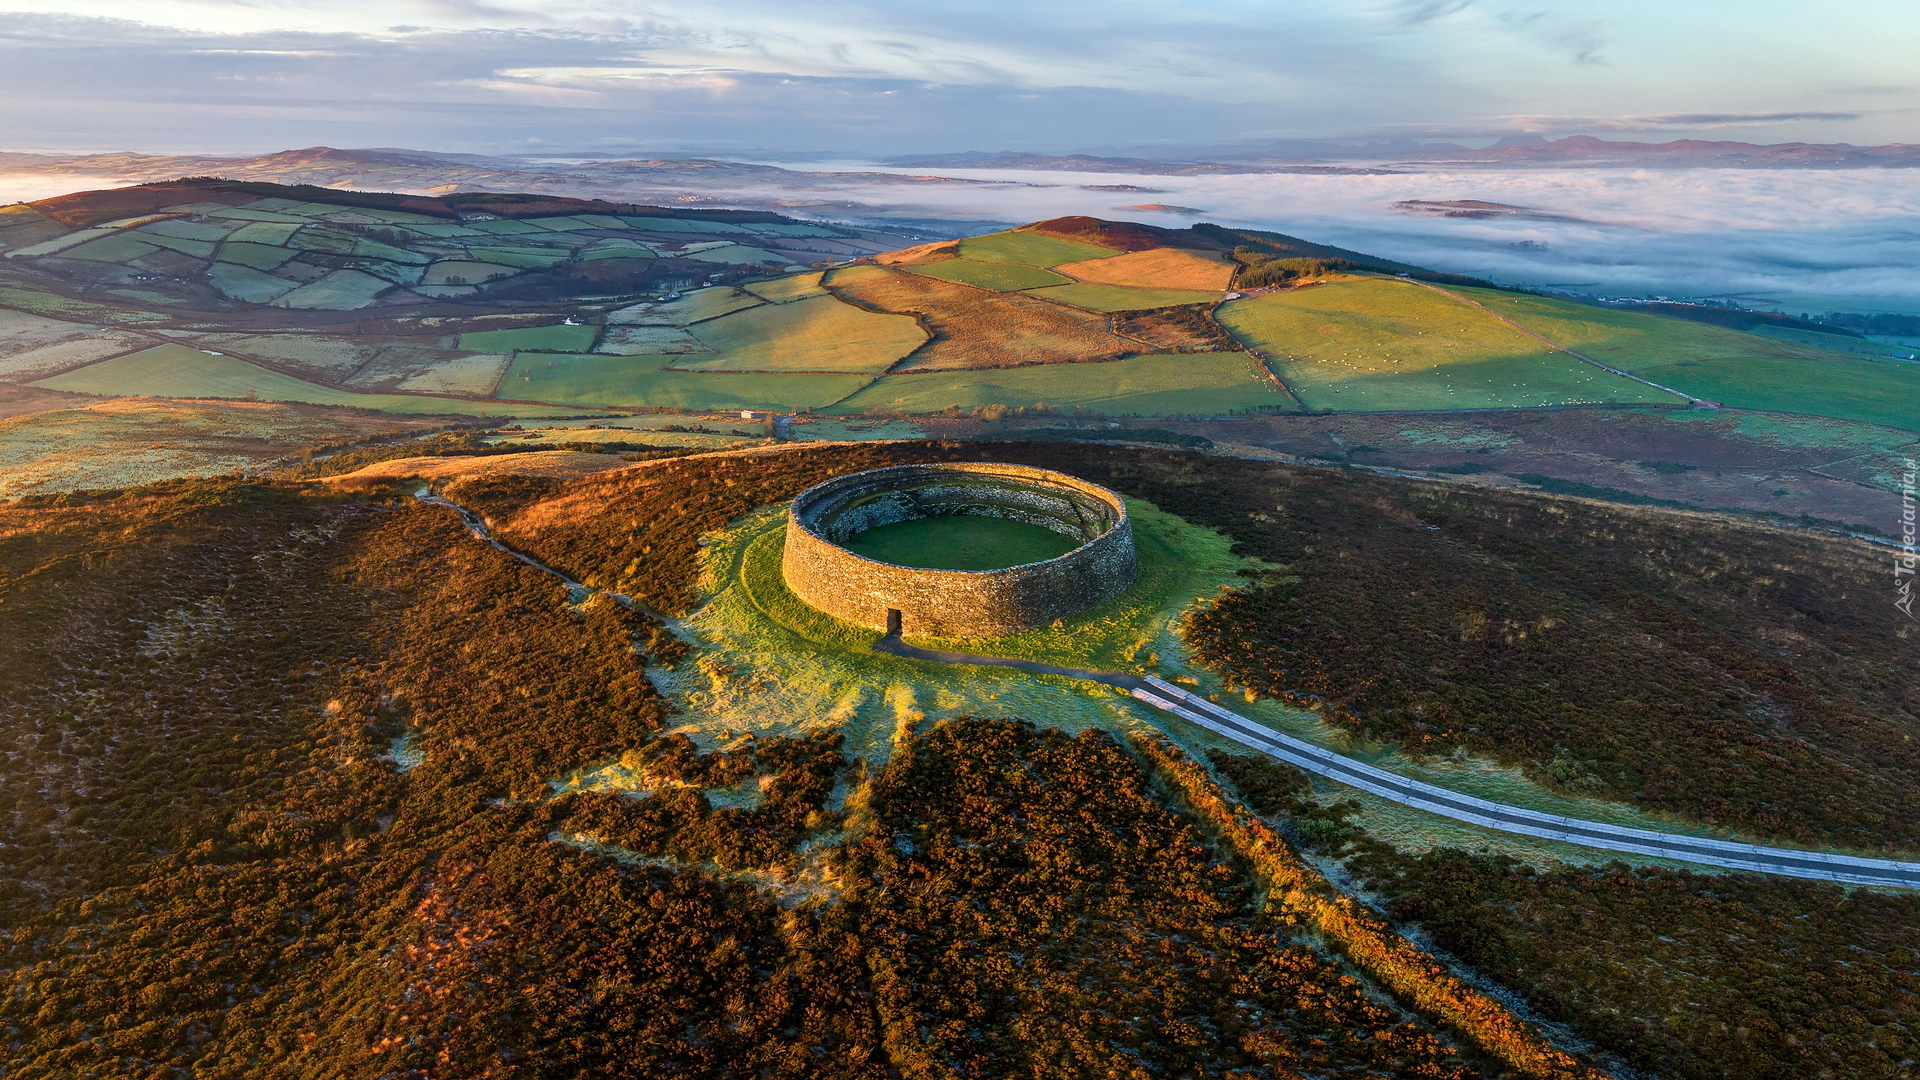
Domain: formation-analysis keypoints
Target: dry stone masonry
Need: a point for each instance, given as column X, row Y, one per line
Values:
column 957, row 603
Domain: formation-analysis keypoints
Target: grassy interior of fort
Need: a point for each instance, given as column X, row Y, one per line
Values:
column 960, row 542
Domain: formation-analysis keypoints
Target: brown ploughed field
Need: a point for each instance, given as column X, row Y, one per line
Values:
column 973, row 328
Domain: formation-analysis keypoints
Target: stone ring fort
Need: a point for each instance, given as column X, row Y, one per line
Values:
column 957, row 603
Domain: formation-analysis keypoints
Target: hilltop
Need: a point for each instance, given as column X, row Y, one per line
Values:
column 300, row 765
column 541, row 307
column 306, row 777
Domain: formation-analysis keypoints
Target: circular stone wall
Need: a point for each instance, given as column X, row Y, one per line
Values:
column 957, row 603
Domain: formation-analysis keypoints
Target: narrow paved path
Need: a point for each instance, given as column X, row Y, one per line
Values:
column 1199, row 711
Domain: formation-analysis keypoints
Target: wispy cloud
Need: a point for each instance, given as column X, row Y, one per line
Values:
column 1670, row 121
column 985, row 74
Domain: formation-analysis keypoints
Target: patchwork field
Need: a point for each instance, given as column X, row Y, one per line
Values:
column 342, row 290
column 1367, row 344
column 563, row 337
column 998, row 276
column 246, row 284
column 178, row 371
column 461, row 272
column 544, row 464
column 647, row 341
column 816, row 334
column 697, row 306
column 708, row 433
column 1192, row 383
column 974, row 329
column 205, row 239
column 1157, row 268
column 48, row 359
column 1031, row 248
column 324, row 356
column 1739, row 370
column 738, row 253
column 1065, row 292
column 52, row 305
column 1122, row 298
column 127, row 441
column 785, row 289
column 596, row 379
column 475, row 374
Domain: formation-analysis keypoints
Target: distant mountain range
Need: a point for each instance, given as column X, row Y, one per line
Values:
column 669, row 181
column 1686, row 153
column 975, row 159
column 697, row 181
column 1523, row 151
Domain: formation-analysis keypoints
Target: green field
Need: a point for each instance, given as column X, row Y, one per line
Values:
column 258, row 256
column 465, row 272
column 998, row 276
column 1207, row 384
column 1034, row 249
column 617, row 249
column 251, row 213
column 737, row 254
column 1121, row 297
column 785, row 289
column 522, row 258
column 54, row 306
column 205, row 231
column 819, row 334
column 504, row 228
column 696, row 306
column 246, row 283
column 560, row 337
column 1369, row 344
column 1738, row 370
column 118, row 247
column 684, row 225
column 180, row 372
column 198, row 249
column 960, row 542
column 271, row 234
column 341, row 290
column 598, row 379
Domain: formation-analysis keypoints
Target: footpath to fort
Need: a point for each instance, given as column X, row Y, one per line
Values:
column 1210, row 716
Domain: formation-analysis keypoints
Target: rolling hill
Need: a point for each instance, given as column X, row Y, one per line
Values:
column 522, row 303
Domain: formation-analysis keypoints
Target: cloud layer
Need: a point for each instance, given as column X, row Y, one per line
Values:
column 917, row 76
column 1808, row 240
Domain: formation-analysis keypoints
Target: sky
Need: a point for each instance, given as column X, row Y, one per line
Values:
column 863, row 77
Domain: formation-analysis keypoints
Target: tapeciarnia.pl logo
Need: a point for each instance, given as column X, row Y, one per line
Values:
column 1903, row 563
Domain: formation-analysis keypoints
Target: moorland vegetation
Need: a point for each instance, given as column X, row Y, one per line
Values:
column 344, row 849
column 338, row 850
